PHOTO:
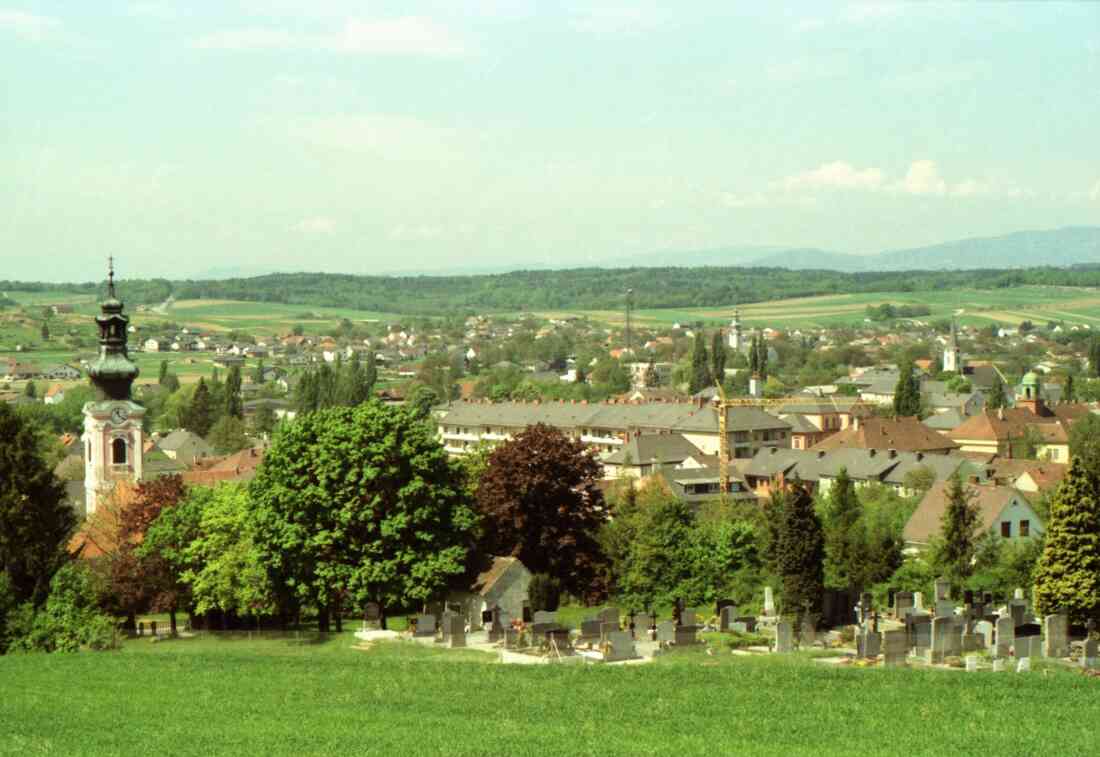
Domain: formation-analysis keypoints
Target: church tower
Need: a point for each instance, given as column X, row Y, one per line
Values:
column 112, row 422
column 952, row 357
column 735, row 339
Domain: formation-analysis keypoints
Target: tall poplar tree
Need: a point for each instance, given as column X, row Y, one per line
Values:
column 718, row 357
column 1068, row 573
column 199, row 417
column 907, row 393
column 233, row 406
column 700, row 364
column 801, row 555
column 954, row 554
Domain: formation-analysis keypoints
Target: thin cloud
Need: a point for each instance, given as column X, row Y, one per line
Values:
column 408, row 35
column 315, row 225
column 27, row 26
column 835, row 175
column 923, row 178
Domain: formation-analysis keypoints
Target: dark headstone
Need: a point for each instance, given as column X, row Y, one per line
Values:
column 722, row 604
column 1028, row 629
column 152, row 627
column 372, row 612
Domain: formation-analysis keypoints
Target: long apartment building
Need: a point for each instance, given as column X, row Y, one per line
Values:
column 607, row 426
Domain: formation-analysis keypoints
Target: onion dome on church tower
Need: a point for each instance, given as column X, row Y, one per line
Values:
column 112, row 373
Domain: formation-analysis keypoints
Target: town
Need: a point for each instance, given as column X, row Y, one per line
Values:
column 529, row 378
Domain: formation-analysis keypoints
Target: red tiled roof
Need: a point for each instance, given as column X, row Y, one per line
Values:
column 906, row 434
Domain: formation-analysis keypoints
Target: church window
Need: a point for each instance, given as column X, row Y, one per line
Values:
column 118, row 451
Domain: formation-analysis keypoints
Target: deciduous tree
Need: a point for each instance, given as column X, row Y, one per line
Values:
column 539, row 501
column 360, row 503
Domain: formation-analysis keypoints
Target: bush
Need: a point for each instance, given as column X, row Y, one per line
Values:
column 544, row 592
column 69, row 622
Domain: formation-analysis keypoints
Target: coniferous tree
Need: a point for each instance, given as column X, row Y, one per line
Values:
column 45, row 331
column 233, row 406
column 718, row 356
column 1069, row 393
column 954, row 555
column 258, row 373
column 200, row 415
column 1094, row 358
column 370, row 374
column 700, row 364
column 801, row 555
column 163, row 373
column 1068, row 572
column 651, row 379
column 762, row 357
column 35, row 519
column 844, row 542
column 907, row 393
column 30, row 390
column 356, row 389
column 996, row 399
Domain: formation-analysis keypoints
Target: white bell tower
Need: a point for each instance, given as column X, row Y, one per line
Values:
column 112, row 422
column 952, row 357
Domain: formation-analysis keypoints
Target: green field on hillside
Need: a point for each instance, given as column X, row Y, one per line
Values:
column 275, row 697
column 978, row 307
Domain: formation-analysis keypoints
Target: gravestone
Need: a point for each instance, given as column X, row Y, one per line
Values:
column 808, row 635
column 943, row 589
column 738, row 627
column 141, row 628
column 918, row 601
column 455, row 631
column 446, row 623
column 1023, row 665
column 511, row 638
column 1005, row 635
column 540, row 629
column 945, row 608
column 748, row 620
column 609, row 615
column 618, row 646
column 1018, row 593
column 152, row 628
column 1090, row 658
column 372, row 612
column 1018, row 609
column 895, row 647
column 1056, row 636
column 687, row 618
column 784, row 637
column 643, row 623
column 591, row 630
column 769, row 602
column 558, row 637
column 869, row 644
column 725, row 617
column 971, row 663
column 666, row 632
column 425, row 625
column 920, row 632
column 984, row 629
column 1029, row 646
column 686, row 635
column 544, row 616
column 903, row 604
column 606, row 628
column 998, row 664
column 943, row 632
column 722, row 604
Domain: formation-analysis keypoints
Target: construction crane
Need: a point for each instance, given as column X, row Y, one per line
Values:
column 724, row 404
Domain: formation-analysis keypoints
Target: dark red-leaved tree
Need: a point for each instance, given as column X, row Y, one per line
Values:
column 539, row 501
column 138, row 580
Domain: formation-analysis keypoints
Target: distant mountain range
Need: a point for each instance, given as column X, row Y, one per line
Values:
column 1068, row 246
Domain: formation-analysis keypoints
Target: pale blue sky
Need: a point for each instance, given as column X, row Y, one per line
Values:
column 363, row 136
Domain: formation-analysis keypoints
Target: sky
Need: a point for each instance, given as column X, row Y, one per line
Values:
column 186, row 138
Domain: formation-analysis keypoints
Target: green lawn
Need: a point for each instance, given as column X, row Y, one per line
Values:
column 272, row 697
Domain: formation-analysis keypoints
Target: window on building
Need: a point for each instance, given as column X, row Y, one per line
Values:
column 1006, row 529
column 118, row 452
column 1025, row 528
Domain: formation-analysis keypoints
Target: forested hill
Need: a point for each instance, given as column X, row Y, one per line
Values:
column 578, row 288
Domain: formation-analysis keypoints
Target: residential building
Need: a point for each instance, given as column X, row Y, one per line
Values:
column 1003, row 510
column 905, row 434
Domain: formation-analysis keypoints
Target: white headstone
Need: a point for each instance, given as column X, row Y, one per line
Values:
column 769, row 601
column 1018, row 594
column 918, row 602
column 1023, row 665
column 998, row 664
column 971, row 664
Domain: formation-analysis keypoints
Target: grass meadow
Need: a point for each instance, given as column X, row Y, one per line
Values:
column 274, row 697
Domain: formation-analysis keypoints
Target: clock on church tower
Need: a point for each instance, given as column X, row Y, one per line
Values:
column 112, row 422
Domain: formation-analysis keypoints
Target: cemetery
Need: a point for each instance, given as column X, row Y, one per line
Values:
column 974, row 635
